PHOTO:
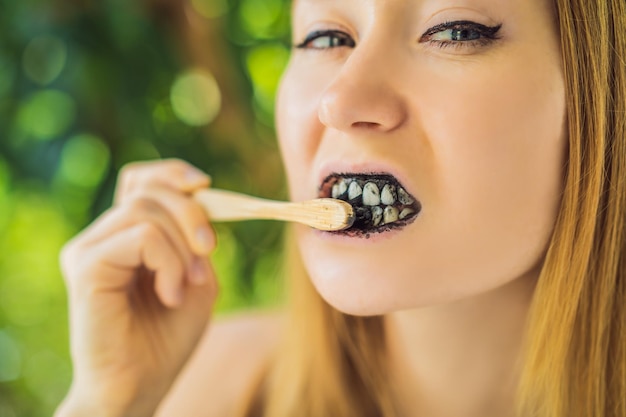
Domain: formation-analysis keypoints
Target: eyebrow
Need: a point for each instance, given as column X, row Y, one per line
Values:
column 295, row 2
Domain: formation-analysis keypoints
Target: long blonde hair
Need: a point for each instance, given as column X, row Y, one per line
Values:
column 332, row 364
column 576, row 355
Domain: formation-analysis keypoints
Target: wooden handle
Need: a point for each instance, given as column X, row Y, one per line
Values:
column 322, row 213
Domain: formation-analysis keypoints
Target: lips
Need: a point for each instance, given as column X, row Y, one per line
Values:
column 379, row 201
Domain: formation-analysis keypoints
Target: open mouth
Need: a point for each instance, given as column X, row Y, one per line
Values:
column 379, row 201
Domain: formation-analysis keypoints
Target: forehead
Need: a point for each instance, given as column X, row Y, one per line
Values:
column 381, row 5
column 418, row 3
column 514, row 12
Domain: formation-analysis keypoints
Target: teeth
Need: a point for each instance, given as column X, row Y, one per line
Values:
column 390, row 214
column 376, row 201
column 405, row 213
column 371, row 195
column 354, row 190
column 388, row 195
column 404, row 197
column 377, row 215
column 339, row 188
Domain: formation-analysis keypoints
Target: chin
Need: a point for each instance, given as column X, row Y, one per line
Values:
column 400, row 269
column 364, row 276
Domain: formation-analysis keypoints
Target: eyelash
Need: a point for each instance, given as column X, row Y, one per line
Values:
column 331, row 34
column 487, row 34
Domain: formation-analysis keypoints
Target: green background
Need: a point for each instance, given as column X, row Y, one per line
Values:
column 87, row 86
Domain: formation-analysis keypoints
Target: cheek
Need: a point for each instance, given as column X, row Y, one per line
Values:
column 499, row 150
column 298, row 128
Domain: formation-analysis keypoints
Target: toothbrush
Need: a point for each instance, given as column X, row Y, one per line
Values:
column 327, row 214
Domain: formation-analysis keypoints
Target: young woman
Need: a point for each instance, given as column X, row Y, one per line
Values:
column 485, row 139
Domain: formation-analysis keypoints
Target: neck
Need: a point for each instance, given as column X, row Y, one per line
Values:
column 460, row 359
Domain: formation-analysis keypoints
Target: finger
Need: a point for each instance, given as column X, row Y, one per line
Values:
column 172, row 173
column 124, row 253
column 186, row 213
column 141, row 211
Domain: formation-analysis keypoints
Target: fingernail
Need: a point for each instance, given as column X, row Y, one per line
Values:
column 198, row 272
column 204, row 237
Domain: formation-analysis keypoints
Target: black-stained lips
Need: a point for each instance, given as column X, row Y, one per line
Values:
column 379, row 201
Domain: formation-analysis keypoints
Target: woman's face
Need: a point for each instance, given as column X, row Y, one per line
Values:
column 461, row 103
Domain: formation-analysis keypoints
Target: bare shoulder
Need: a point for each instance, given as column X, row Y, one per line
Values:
column 224, row 366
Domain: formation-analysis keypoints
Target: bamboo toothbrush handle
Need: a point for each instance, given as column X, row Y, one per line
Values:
column 322, row 213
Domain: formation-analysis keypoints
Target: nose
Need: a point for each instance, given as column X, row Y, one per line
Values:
column 363, row 95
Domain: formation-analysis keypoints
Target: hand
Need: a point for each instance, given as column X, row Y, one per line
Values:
column 140, row 289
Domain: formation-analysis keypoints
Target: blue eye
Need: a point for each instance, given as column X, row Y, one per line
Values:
column 461, row 33
column 326, row 39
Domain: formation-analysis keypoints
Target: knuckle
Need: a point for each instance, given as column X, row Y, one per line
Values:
column 176, row 164
column 130, row 175
column 76, row 262
column 67, row 256
column 137, row 202
column 147, row 231
column 127, row 172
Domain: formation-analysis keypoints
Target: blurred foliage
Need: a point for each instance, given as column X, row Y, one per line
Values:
column 87, row 86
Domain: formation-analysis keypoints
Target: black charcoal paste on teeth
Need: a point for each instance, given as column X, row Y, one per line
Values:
column 365, row 221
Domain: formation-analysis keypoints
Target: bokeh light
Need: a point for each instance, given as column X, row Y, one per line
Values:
column 84, row 160
column 44, row 58
column 258, row 17
column 265, row 64
column 196, row 98
column 46, row 114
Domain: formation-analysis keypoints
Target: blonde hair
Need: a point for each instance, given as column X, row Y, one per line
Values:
column 333, row 364
column 576, row 354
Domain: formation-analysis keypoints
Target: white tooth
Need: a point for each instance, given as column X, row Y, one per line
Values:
column 371, row 195
column 341, row 187
column 377, row 215
column 354, row 190
column 390, row 214
column 388, row 195
column 404, row 197
column 405, row 213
